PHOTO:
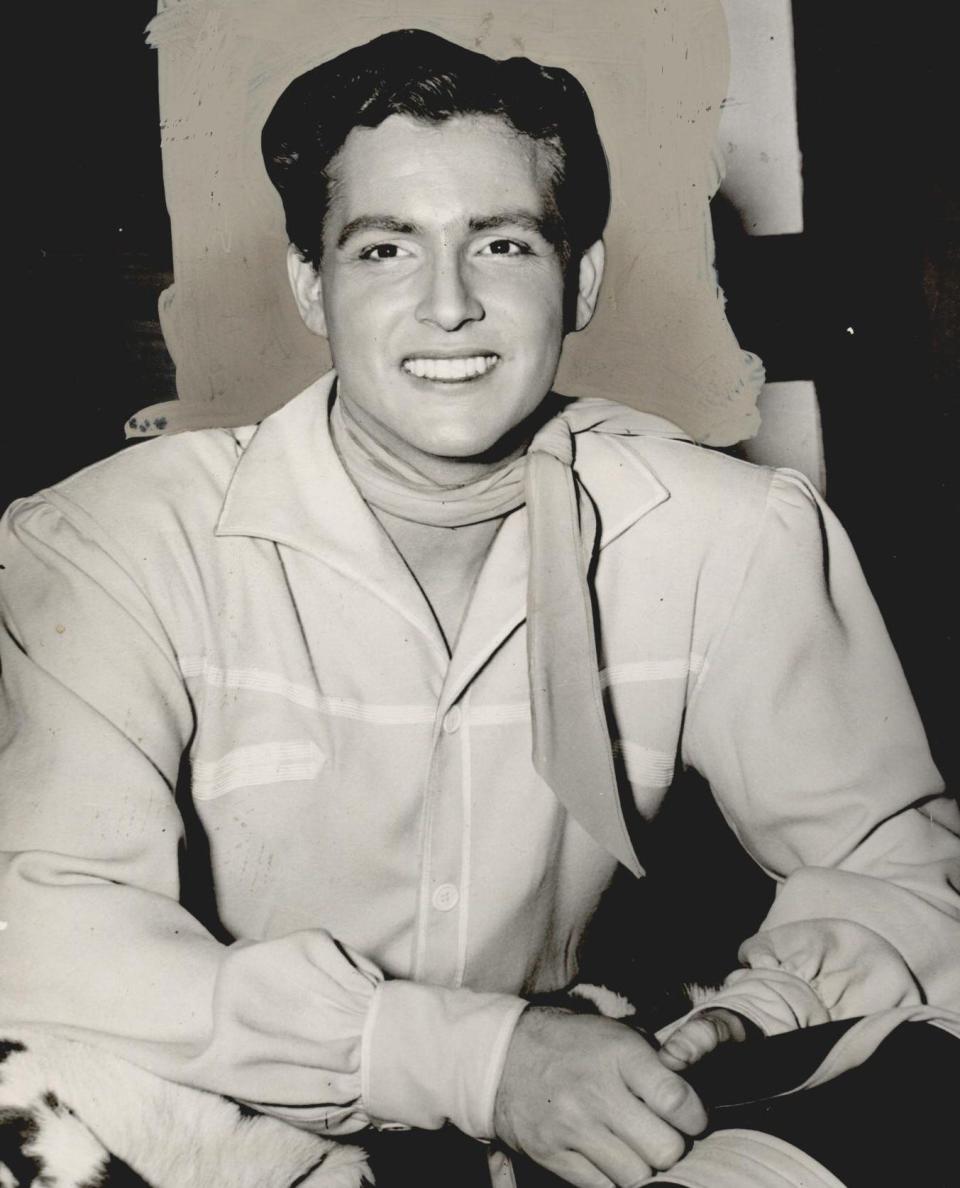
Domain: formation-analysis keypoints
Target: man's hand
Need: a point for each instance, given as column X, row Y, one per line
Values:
column 701, row 1034
column 588, row 1099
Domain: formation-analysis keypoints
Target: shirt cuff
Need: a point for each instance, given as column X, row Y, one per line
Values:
column 431, row 1055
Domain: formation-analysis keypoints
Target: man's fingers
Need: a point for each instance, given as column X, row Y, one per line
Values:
column 577, row 1170
column 691, row 1041
column 730, row 1025
column 615, row 1159
column 700, row 1035
column 667, row 1094
column 670, row 1058
column 648, row 1137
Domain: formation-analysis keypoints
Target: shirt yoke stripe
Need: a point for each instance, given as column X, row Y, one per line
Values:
column 258, row 681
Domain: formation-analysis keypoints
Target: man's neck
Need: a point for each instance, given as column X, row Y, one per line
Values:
column 445, row 562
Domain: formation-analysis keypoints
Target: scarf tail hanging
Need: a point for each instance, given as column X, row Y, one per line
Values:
column 572, row 751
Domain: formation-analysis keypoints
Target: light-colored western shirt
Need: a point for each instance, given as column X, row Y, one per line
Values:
column 360, row 810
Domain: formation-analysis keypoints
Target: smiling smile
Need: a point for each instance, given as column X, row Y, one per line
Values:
column 450, row 370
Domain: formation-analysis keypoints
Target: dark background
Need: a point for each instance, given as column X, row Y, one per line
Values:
column 91, row 253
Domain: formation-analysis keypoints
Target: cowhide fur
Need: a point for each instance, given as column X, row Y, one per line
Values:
column 74, row 1116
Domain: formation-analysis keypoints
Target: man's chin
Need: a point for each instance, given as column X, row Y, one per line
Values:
column 479, row 439
column 460, row 456
column 464, row 448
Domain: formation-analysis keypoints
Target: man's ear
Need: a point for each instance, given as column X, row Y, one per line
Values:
column 307, row 290
column 588, row 285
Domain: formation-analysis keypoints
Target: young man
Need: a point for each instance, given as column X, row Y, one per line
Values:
column 409, row 666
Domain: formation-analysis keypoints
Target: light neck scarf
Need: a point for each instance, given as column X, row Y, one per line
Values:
column 571, row 742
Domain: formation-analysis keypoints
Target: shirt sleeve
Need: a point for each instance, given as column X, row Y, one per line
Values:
column 804, row 726
column 94, row 720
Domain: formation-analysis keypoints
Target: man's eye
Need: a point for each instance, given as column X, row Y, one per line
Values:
column 382, row 251
column 505, row 247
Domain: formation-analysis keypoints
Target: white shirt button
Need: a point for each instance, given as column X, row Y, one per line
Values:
column 446, row 897
column 453, row 720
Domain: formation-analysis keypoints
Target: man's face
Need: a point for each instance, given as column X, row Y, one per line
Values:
column 440, row 295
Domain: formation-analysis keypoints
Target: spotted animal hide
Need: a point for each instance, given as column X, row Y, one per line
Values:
column 72, row 1116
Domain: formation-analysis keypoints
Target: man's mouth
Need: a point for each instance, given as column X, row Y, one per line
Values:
column 450, row 370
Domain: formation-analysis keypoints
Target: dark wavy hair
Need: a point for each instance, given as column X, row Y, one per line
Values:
column 418, row 74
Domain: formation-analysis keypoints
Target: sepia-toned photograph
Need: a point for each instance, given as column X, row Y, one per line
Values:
column 477, row 534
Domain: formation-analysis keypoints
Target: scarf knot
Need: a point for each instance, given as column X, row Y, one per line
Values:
column 556, row 439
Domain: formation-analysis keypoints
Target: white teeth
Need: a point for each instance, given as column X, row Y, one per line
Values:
column 450, row 370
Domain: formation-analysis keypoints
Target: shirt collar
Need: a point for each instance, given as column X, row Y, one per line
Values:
column 290, row 486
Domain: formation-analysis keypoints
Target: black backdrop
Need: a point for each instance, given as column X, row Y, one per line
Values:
column 89, row 247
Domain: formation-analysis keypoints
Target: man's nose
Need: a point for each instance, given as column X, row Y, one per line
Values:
column 449, row 299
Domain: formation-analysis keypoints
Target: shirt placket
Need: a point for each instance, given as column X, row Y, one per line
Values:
column 444, row 888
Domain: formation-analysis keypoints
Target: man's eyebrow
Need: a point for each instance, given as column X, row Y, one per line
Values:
column 375, row 223
column 524, row 219
column 512, row 218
